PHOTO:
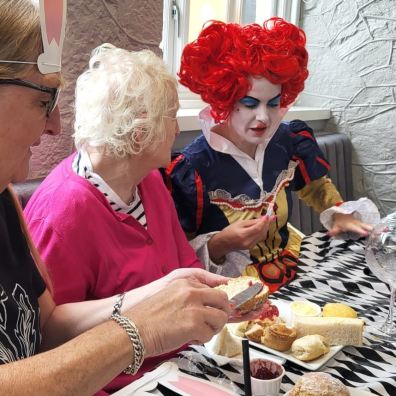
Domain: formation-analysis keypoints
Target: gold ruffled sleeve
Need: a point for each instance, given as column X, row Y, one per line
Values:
column 320, row 194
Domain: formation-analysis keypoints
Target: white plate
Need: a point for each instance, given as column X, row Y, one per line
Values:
column 352, row 391
column 253, row 353
column 314, row 365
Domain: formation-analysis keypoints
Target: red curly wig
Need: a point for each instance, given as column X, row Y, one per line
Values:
column 218, row 63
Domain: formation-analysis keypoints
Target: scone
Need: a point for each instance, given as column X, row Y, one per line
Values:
column 319, row 384
column 339, row 310
column 309, row 347
column 238, row 285
column 279, row 337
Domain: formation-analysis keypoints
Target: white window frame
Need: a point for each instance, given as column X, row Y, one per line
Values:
column 175, row 34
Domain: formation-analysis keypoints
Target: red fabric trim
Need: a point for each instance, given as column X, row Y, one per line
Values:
column 303, row 133
column 323, row 162
column 169, row 170
column 286, row 252
column 303, row 169
column 200, row 200
column 172, row 165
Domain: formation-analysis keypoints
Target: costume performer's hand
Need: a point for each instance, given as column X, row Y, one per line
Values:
column 241, row 235
column 347, row 223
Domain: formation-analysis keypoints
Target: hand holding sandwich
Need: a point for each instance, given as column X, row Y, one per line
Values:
column 251, row 302
column 190, row 311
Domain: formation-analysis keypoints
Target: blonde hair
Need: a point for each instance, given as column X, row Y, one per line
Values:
column 20, row 36
column 121, row 101
column 20, row 40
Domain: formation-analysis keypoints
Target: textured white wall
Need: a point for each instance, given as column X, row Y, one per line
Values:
column 352, row 46
column 131, row 24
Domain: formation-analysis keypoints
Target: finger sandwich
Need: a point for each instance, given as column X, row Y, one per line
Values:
column 337, row 331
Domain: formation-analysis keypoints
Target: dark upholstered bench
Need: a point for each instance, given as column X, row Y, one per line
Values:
column 26, row 189
column 336, row 148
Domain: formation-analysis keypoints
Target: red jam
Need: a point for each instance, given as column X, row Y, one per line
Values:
column 269, row 311
column 265, row 374
column 265, row 370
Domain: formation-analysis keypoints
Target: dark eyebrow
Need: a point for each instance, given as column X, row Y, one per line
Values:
column 258, row 100
column 250, row 97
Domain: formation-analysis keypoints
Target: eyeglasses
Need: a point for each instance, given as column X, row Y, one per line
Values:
column 54, row 92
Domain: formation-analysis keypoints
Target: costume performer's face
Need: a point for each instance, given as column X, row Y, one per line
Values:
column 256, row 117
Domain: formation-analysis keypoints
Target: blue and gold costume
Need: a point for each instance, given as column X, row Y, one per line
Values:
column 212, row 190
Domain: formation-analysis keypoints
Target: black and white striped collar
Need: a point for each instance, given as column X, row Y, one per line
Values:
column 82, row 166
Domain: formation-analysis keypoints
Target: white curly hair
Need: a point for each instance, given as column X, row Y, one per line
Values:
column 122, row 100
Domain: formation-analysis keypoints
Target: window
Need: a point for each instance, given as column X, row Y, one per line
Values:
column 183, row 20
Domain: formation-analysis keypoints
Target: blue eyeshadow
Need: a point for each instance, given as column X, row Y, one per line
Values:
column 249, row 101
column 274, row 101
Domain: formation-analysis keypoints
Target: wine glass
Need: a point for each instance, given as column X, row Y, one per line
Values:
column 381, row 259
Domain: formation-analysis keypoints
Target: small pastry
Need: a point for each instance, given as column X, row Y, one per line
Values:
column 279, row 337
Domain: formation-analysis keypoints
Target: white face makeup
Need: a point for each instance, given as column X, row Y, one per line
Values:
column 256, row 117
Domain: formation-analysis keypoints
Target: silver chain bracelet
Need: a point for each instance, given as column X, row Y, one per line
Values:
column 133, row 334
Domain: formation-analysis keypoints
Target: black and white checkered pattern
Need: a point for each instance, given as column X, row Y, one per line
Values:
column 330, row 271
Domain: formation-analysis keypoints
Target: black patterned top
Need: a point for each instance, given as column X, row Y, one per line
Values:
column 20, row 287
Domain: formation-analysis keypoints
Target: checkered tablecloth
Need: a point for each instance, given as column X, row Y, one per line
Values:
column 330, row 271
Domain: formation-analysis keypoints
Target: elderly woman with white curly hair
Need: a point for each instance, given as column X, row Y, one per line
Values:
column 105, row 210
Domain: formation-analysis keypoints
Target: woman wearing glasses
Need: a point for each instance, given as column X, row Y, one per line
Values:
column 103, row 218
column 72, row 348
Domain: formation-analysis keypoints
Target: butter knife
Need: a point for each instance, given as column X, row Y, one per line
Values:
column 240, row 298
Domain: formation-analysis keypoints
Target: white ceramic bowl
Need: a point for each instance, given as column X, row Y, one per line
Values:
column 266, row 387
